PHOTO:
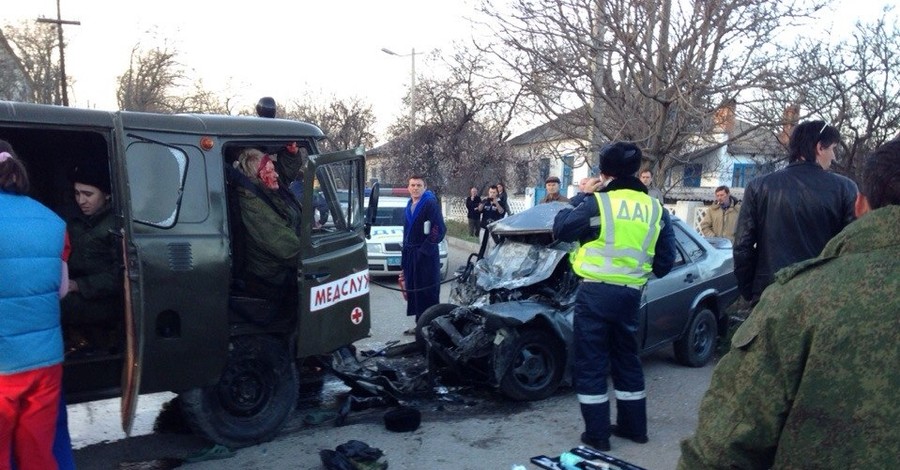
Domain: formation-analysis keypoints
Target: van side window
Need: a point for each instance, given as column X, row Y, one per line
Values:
column 156, row 175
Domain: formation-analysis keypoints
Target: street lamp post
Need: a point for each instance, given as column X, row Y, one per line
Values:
column 412, row 85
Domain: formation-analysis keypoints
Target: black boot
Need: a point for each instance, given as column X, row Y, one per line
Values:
column 631, row 420
column 596, row 425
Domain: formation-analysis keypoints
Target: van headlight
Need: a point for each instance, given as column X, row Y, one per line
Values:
column 375, row 247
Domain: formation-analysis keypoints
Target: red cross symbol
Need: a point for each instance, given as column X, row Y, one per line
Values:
column 356, row 316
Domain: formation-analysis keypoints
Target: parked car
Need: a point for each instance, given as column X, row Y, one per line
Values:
column 509, row 323
column 387, row 239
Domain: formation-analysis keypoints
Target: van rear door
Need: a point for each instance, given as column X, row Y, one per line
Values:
column 334, row 277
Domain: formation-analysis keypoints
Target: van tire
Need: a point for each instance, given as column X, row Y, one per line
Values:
column 255, row 394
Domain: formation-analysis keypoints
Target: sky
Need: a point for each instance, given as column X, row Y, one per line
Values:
column 260, row 47
column 283, row 49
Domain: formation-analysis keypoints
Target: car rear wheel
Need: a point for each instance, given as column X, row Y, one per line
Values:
column 256, row 392
column 536, row 366
column 696, row 347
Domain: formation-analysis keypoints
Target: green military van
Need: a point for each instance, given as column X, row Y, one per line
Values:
column 185, row 324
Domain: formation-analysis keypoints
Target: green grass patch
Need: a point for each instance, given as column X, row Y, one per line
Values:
column 459, row 230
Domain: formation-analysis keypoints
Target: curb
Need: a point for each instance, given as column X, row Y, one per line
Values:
column 461, row 244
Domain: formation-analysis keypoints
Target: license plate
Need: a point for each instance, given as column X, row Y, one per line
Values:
column 393, row 261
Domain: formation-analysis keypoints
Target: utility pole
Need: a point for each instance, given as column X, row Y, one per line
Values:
column 412, row 84
column 59, row 22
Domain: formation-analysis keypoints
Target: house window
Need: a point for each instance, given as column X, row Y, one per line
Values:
column 692, row 174
column 543, row 171
column 743, row 173
column 566, row 176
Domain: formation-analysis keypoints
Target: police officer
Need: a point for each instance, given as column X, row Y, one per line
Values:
column 624, row 234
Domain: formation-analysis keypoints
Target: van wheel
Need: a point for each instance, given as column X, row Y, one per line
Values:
column 696, row 347
column 254, row 396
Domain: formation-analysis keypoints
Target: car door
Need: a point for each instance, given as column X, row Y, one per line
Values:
column 668, row 300
column 334, row 276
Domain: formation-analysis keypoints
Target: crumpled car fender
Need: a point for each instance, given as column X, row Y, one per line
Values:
column 508, row 318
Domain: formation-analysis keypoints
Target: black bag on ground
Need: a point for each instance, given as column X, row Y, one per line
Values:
column 353, row 455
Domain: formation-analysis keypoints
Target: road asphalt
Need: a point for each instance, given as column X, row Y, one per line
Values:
column 461, row 429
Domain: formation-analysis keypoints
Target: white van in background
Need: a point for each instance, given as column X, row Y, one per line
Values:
column 387, row 238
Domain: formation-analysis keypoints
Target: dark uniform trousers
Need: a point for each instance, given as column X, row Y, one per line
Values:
column 606, row 323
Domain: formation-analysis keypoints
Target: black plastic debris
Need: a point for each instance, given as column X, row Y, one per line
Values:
column 353, row 455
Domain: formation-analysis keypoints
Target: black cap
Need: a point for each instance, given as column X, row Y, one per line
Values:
column 552, row 179
column 620, row 159
column 95, row 174
column 265, row 107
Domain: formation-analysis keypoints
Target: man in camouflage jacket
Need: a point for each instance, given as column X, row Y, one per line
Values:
column 812, row 380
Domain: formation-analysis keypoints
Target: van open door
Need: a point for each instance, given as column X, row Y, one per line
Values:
column 152, row 176
column 334, row 306
column 131, row 367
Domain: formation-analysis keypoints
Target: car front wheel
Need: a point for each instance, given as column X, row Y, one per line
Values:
column 428, row 316
column 696, row 347
column 536, row 366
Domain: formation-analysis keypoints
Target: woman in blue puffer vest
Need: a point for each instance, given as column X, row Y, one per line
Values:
column 31, row 347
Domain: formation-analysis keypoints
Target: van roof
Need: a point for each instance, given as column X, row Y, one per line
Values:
column 238, row 126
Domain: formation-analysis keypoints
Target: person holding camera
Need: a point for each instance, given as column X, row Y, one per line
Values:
column 491, row 209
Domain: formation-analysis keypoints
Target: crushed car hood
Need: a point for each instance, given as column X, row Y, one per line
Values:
column 538, row 219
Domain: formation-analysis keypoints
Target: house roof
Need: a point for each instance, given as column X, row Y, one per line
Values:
column 572, row 125
column 13, row 67
column 745, row 137
column 749, row 139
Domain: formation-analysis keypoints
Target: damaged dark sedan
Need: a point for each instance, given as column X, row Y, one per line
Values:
column 509, row 323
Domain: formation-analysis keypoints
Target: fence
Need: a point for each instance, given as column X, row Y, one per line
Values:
column 691, row 212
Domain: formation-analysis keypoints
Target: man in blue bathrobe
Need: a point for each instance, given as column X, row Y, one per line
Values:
column 423, row 230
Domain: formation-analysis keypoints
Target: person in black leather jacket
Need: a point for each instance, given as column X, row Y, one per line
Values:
column 789, row 215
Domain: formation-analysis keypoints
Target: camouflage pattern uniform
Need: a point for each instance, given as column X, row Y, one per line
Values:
column 95, row 265
column 812, row 378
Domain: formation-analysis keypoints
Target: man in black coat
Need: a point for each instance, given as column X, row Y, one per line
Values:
column 789, row 215
column 472, row 203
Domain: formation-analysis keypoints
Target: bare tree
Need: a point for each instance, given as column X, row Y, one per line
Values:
column 202, row 101
column 652, row 72
column 151, row 76
column 37, row 47
column 346, row 123
column 465, row 122
column 853, row 85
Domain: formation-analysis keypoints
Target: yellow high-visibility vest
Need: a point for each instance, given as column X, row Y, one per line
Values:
column 622, row 254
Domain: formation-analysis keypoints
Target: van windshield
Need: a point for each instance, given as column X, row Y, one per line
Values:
column 340, row 184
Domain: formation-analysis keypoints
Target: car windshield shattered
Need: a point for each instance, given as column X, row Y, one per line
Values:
column 527, row 256
column 513, row 265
